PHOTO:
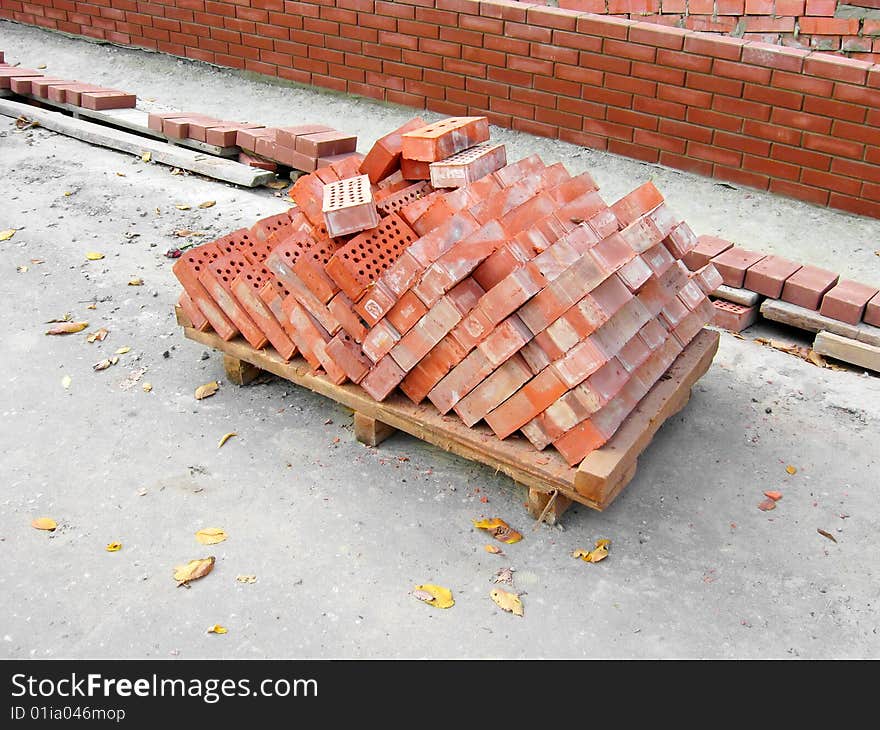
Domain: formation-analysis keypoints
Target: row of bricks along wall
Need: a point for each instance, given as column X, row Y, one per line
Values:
column 796, row 122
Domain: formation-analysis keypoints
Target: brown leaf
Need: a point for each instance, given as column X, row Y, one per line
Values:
column 67, row 328
column 825, row 533
column 767, row 504
column 207, row 390
column 103, row 365
column 98, row 335
column 791, row 469
column 504, row 575
column 193, row 570
column 278, row 184
column 208, row 204
column 499, row 529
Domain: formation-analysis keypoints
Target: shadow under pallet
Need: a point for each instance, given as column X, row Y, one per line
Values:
column 553, row 485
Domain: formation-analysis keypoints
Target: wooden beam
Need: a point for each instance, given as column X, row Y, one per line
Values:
column 738, row 296
column 238, row 371
column 551, row 505
column 812, row 321
column 172, row 155
column 371, row 432
column 848, row 350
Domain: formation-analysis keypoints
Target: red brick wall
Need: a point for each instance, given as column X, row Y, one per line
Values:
column 786, row 120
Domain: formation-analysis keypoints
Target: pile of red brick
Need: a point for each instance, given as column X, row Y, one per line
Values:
column 28, row 81
column 514, row 295
column 304, row 147
column 779, row 278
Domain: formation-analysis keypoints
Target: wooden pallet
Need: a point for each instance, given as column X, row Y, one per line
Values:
column 552, row 484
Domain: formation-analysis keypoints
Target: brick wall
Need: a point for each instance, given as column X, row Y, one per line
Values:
column 811, row 24
column 795, row 122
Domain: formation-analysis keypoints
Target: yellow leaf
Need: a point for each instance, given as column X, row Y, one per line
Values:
column 136, row 282
column 594, row 556
column 123, row 350
column 68, row 194
column 499, row 529
column 65, row 382
column 278, row 184
column 147, row 387
column 791, row 469
column 246, row 578
column 493, row 549
column 225, row 438
column 7, row 234
column 193, row 570
column 207, row 390
column 98, row 335
column 507, row 601
column 120, row 174
column 217, row 629
column 103, row 365
column 41, row 66
column 94, row 256
column 146, row 157
column 434, row 595
column 44, row 523
column 208, row 204
column 113, row 547
column 211, row 536
column 181, row 206
column 67, row 328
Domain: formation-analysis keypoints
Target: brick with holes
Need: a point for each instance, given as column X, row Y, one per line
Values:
column 442, row 139
column 187, row 269
column 193, row 313
column 375, row 303
column 246, row 288
column 493, row 390
column 468, row 166
column 734, row 317
column 311, row 339
column 396, row 200
column 263, row 228
column 217, row 278
column 284, row 256
column 349, row 357
column 367, row 256
column 384, row 157
column 348, row 206
column 310, row 267
column 415, row 169
column 342, row 308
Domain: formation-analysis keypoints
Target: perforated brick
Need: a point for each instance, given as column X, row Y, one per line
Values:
column 384, row 156
column 468, row 166
column 310, row 268
column 217, row 278
column 348, row 206
column 188, row 268
column 441, row 139
column 193, row 313
column 363, row 259
column 349, row 356
column 395, row 201
column 734, row 317
column 246, row 288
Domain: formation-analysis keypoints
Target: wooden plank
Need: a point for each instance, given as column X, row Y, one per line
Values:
column 544, row 471
column 738, row 296
column 215, row 167
column 607, row 470
column 239, row 371
column 371, row 432
column 848, row 350
column 812, row 321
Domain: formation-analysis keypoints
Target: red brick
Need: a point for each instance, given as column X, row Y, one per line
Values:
column 643, row 199
column 384, row 157
column 349, row 357
column 310, row 268
column 187, row 270
column 769, row 275
column 342, row 309
column 246, row 288
column 846, row 301
column 444, row 138
column 734, row 317
column 492, row 391
column 872, row 311
column 348, row 206
column 432, row 368
column 836, row 67
column 807, row 286
column 193, row 313
column 217, row 277
column 733, row 263
column 100, row 100
column 325, row 144
column 382, row 379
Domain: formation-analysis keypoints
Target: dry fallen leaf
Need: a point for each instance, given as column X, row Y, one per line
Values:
column 246, row 578
column 211, row 535
column 193, row 570
column 775, row 496
column 434, row 595
column 184, row 232
column 146, row 157
column 113, row 547
column 493, row 549
column 217, row 629
column 767, row 505
column 499, row 529
column 7, row 234
column 504, row 575
column 65, row 382
column 123, row 350
column 207, row 390
column 65, row 318
column 600, row 552
column 67, row 328
column 147, row 387
column 507, row 601
column 825, row 533
column 278, row 184
column 208, row 204
column 94, row 256
column 182, row 206
column 98, row 335
column 103, row 365
column 791, row 469
column 136, row 282
column 22, row 269
column 225, row 438
column 44, row 523
column 120, row 174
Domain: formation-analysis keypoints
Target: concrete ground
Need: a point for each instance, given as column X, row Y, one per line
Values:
column 338, row 534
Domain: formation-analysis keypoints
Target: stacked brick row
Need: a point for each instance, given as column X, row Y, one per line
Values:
column 779, row 278
column 30, row 82
column 792, row 121
column 519, row 298
column 807, row 24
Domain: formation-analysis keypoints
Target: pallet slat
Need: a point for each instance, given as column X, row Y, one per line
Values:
column 595, row 483
column 848, row 350
column 812, row 321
